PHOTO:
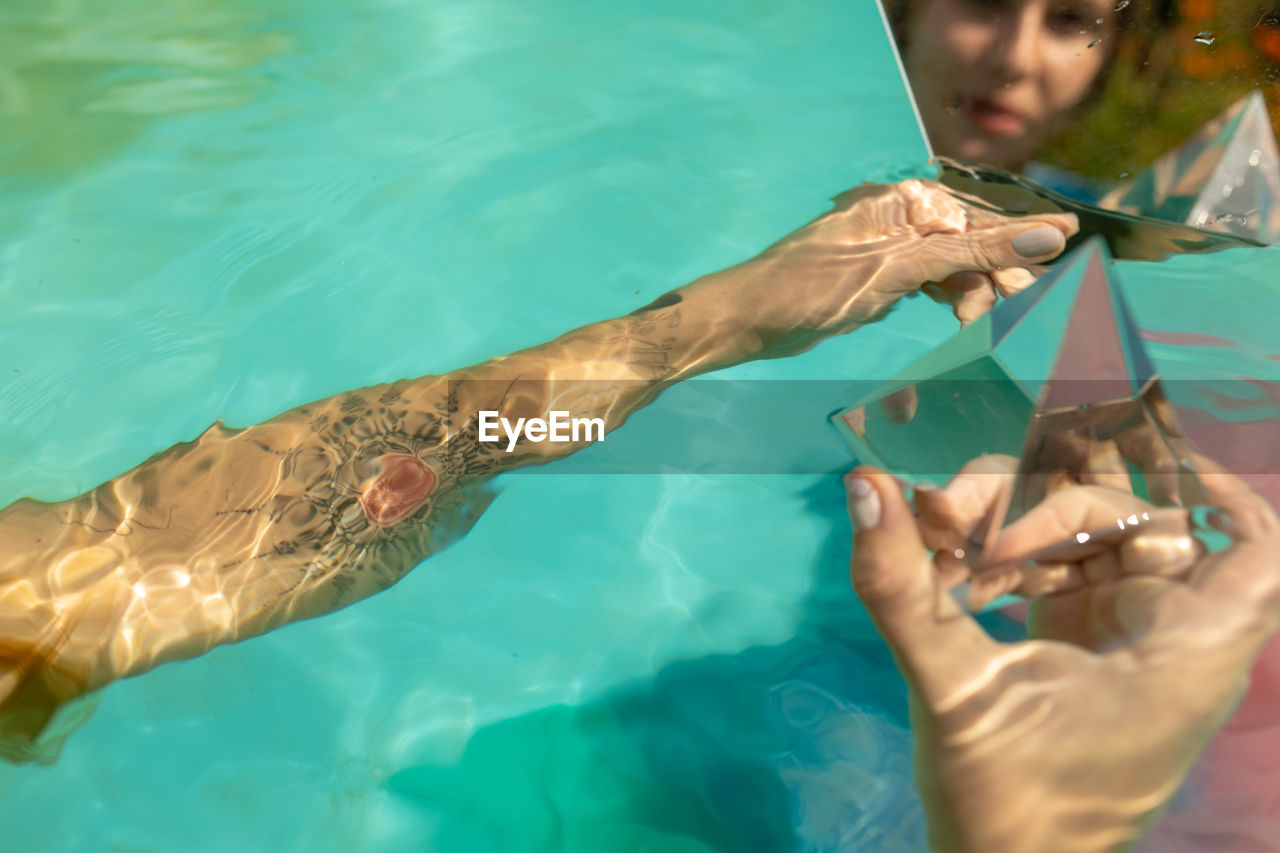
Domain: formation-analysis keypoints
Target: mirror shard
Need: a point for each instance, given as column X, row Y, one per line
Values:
column 1056, row 377
column 1225, row 178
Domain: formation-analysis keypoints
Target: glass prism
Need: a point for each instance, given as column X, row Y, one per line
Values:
column 1057, row 377
column 1225, row 178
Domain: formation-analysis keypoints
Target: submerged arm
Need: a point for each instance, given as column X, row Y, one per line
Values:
column 241, row 531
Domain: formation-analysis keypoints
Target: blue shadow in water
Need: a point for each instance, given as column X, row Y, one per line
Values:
column 801, row 746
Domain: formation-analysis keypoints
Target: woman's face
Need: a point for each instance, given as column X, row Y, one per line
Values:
column 996, row 79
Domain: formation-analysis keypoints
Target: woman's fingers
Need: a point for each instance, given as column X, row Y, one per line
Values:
column 1011, row 280
column 900, row 406
column 1064, row 458
column 1145, row 447
column 1021, row 242
column 883, row 242
column 1046, row 579
column 939, row 646
column 986, row 587
column 935, row 235
column 957, row 517
column 1245, row 514
column 1069, row 525
column 1164, row 545
column 1104, row 466
column 970, row 293
column 1243, row 582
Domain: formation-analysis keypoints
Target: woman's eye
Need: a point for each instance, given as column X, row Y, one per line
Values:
column 1072, row 21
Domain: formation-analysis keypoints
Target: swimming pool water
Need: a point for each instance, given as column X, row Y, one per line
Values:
column 219, row 209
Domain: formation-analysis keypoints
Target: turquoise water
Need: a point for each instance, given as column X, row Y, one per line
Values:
column 219, row 210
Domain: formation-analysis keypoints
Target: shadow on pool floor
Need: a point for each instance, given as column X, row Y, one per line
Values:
column 800, row 746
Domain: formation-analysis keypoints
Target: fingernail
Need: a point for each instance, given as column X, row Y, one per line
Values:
column 1038, row 241
column 925, row 492
column 865, row 504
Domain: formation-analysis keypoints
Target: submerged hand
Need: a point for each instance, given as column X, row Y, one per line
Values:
column 882, row 242
column 1073, row 739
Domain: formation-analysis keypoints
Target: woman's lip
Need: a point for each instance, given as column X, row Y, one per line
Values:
column 993, row 118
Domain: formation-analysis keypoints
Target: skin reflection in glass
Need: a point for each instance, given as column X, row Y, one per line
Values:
column 996, row 80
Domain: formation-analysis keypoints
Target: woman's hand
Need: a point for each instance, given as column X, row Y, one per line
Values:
column 1075, row 738
column 882, row 242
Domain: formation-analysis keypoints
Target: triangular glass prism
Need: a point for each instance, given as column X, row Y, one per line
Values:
column 1225, row 178
column 1056, row 376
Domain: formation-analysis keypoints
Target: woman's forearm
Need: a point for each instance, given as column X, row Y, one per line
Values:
column 241, row 531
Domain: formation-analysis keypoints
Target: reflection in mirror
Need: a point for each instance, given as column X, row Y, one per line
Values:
column 1225, row 178
column 1129, row 235
column 1056, row 377
column 995, row 81
column 1082, row 95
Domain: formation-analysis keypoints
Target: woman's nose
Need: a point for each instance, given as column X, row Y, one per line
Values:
column 1017, row 53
